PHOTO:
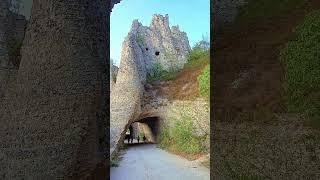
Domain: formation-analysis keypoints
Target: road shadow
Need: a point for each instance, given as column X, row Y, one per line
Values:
column 138, row 144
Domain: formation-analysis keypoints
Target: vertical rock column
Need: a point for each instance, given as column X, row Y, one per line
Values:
column 53, row 124
column 125, row 103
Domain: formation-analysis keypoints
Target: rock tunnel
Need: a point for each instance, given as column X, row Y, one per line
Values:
column 148, row 127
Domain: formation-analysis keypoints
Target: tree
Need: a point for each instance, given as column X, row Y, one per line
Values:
column 203, row 44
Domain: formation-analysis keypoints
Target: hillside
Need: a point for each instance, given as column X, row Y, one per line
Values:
column 256, row 137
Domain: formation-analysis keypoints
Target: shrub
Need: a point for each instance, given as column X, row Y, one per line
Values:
column 301, row 59
column 197, row 53
column 141, row 39
column 156, row 72
column 203, row 59
column 180, row 137
column 204, row 82
column 182, row 134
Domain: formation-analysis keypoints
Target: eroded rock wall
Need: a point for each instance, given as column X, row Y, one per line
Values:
column 127, row 92
column 161, row 44
column 53, row 122
column 138, row 56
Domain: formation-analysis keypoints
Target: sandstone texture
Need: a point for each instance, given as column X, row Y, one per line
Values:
column 53, row 122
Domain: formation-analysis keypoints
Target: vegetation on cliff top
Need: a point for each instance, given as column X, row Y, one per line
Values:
column 302, row 68
column 204, row 82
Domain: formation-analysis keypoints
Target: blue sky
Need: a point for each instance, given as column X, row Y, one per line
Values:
column 192, row 16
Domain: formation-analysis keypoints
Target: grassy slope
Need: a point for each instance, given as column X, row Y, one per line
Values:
column 179, row 139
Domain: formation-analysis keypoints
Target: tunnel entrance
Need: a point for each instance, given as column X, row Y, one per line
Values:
column 143, row 131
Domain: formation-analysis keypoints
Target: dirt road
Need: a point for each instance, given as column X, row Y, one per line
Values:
column 147, row 162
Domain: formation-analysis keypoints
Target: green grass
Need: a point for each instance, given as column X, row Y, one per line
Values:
column 301, row 59
column 181, row 138
column 204, row 82
column 206, row 163
column 260, row 10
column 204, row 59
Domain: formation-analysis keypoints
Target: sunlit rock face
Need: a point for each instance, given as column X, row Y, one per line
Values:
column 161, row 44
column 141, row 50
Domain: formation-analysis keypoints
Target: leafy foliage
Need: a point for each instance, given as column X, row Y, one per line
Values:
column 200, row 49
column 204, row 82
column 156, row 72
column 301, row 58
column 141, row 39
column 201, row 60
column 180, row 137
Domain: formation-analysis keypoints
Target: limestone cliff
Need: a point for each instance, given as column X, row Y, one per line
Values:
column 161, row 44
column 142, row 48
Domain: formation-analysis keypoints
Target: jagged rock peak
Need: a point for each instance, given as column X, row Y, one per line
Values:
column 159, row 21
column 159, row 43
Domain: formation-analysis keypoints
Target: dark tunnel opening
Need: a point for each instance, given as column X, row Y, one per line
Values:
column 143, row 131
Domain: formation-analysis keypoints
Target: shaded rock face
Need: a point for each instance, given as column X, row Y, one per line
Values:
column 161, row 44
column 142, row 48
column 225, row 11
column 12, row 29
column 53, row 121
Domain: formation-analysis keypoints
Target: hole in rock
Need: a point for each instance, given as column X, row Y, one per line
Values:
column 147, row 49
column 157, row 53
column 143, row 131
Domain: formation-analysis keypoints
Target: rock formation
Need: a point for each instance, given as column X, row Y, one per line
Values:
column 141, row 50
column 161, row 44
column 53, row 122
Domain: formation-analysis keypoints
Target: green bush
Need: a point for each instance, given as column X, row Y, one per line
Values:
column 301, row 59
column 141, row 39
column 156, row 72
column 182, row 134
column 197, row 53
column 204, row 82
column 180, row 137
column 203, row 59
